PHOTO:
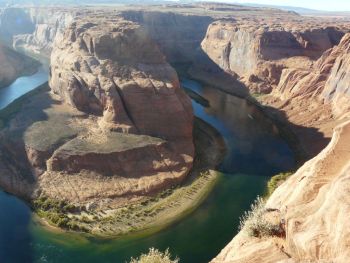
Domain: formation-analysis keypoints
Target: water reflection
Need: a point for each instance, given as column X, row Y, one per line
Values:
column 255, row 152
column 21, row 86
column 254, row 146
column 15, row 237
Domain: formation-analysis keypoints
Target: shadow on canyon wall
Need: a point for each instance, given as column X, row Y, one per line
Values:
column 305, row 142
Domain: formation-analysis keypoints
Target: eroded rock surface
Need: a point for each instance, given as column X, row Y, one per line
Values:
column 313, row 204
column 257, row 50
column 117, row 124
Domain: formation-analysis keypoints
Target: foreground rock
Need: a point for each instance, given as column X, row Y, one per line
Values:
column 312, row 206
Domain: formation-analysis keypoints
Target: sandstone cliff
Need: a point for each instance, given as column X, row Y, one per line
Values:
column 117, row 125
column 257, row 50
column 178, row 35
column 313, row 204
column 33, row 29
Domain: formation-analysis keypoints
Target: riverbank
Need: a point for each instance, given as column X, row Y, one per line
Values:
column 144, row 215
column 152, row 213
column 15, row 65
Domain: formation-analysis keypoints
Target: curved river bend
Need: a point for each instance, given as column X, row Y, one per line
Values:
column 255, row 152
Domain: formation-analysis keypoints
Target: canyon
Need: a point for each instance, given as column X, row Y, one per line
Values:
column 115, row 95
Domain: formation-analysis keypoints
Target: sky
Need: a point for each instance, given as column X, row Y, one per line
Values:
column 327, row 5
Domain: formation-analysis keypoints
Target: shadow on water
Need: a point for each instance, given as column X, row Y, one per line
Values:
column 255, row 152
column 15, row 237
column 204, row 70
column 195, row 239
column 254, row 144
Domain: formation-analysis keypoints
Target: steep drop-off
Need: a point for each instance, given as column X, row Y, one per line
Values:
column 257, row 50
column 312, row 206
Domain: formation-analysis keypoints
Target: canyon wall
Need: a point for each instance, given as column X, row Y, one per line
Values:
column 258, row 50
column 178, row 35
column 313, row 204
column 33, row 29
column 48, row 23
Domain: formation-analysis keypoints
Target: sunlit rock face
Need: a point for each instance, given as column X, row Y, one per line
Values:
column 313, row 203
column 112, row 70
column 258, row 50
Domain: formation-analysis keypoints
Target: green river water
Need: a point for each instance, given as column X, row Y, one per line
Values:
column 255, row 153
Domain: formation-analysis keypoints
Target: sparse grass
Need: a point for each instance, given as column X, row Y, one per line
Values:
column 111, row 142
column 56, row 213
column 276, row 181
column 257, row 95
column 56, row 133
column 255, row 224
column 155, row 256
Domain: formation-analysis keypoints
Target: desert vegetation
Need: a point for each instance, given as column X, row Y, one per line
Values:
column 257, row 223
column 276, row 181
column 155, row 256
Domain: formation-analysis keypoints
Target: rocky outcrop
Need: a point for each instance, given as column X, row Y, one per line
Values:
column 14, row 65
column 117, row 74
column 312, row 206
column 337, row 90
column 258, row 50
column 118, row 125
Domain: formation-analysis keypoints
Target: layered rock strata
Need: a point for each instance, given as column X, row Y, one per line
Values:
column 117, row 124
column 256, row 51
column 312, row 205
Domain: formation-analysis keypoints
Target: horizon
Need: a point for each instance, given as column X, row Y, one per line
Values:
column 317, row 5
column 322, row 5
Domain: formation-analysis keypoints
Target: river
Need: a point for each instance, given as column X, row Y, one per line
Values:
column 255, row 152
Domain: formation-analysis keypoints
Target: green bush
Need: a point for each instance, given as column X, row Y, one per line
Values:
column 255, row 223
column 276, row 181
column 155, row 256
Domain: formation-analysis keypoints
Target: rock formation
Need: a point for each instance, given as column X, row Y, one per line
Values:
column 313, row 204
column 258, row 50
column 124, row 128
